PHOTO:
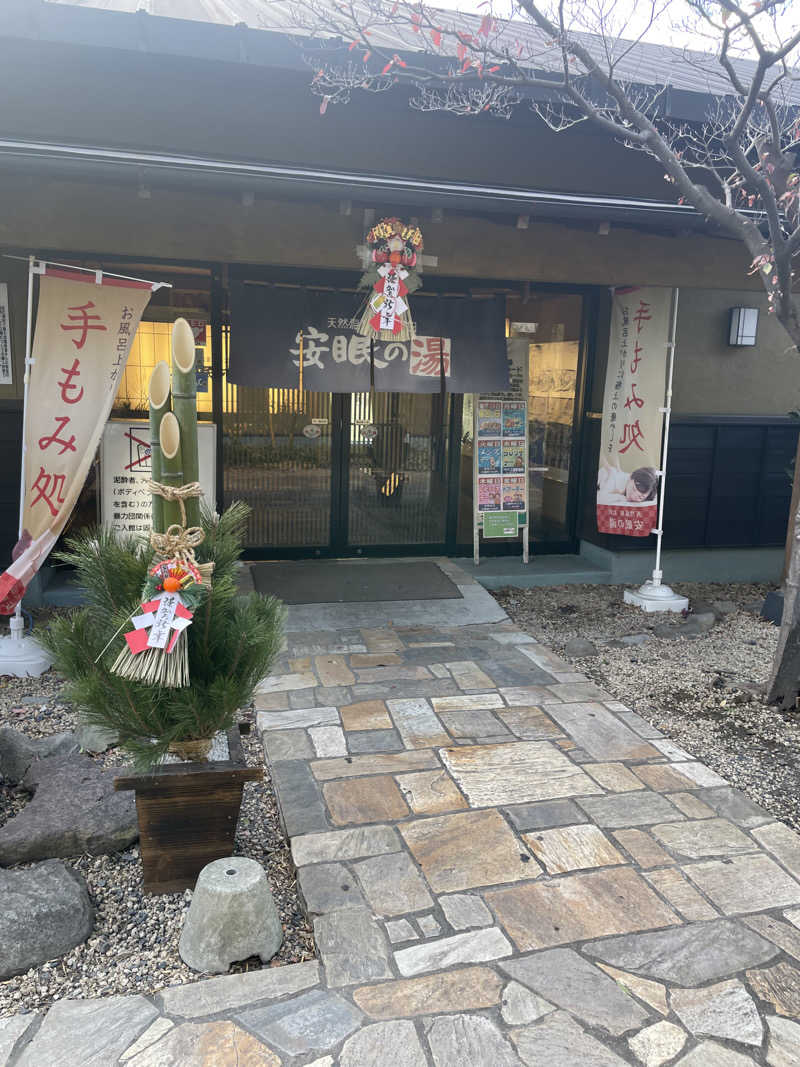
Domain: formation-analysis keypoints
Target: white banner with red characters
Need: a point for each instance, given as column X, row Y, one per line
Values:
column 630, row 443
column 84, row 331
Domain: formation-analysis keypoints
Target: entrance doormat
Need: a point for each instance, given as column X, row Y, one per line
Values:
column 332, row 582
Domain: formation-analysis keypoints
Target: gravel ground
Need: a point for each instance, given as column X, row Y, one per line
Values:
column 134, row 945
column 703, row 693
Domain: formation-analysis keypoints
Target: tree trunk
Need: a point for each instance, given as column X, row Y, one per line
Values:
column 784, row 685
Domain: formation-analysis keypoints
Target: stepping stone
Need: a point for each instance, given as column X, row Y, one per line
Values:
column 574, row 984
column 463, row 989
column 314, row 1021
column 463, row 911
column 74, row 810
column 709, row 837
column 595, row 729
column 430, row 792
column 629, row 809
column 327, row 887
column 572, row 848
column 515, row 772
column 577, row 907
column 344, row 844
column 725, row 1010
column 520, row 1006
column 744, row 883
column 783, row 1048
column 46, row 912
column 393, row 1043
column 475, row 946
column 778, row 985
column 545, row 814
column 361, row 800
column 392, row 884
column 457, row 1040
column 92, row 1033
column 230, row 991
column 218, row 1042
column 558, row 1041
column 353, row 947
column 467, row 850
column 688, row 956
column 710, row 1054
column 657, row 1044
column 529, row 724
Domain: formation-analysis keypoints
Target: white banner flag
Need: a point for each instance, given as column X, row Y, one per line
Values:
column 84, row 332
column 630, row 444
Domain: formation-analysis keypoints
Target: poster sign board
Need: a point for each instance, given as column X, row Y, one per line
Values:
column 500, row 477
column 125, row 502
column 6, row 372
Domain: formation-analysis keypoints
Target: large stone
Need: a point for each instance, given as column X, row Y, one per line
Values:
column 724, row 1010
column 383, row 1043
column 45, row 912
column 92, row 1033
column 558, row 1041
column 352, row 946
column 710, row 1054
column 392, row 884
column 345, row 844
column 778, row 985
column 578, row 906
column 580, row 648
column 12, row 1029
column 630, row 809
column 689, row 956
column 18, row 751
column 314, row 1021
column 741, row 884
column 515, row 772
column 326, row 887
column 783, row 1049
column 708, row 837
column 205, row 1043
column 74, row 810
column 93, row 738
column 466, row 850
column 457, row 1040
column 196, row 999
column 474, row 946
column 577, row 986
column 232, row 916
column 361, row 800
column 463, row 989
column 597, row 730
column 572, row 848
column 657, row 1044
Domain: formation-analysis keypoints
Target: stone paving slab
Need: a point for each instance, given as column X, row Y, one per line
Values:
column 504, row 866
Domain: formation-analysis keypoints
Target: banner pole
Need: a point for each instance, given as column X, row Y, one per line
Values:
column 654, row 595
column 26, row 382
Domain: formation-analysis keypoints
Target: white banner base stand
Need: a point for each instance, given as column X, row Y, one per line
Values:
column 653, row 596
column 21, row 656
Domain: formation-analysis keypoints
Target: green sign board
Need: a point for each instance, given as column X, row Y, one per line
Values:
column 500, row 523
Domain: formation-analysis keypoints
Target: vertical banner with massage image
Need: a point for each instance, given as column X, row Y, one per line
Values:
column 630, row 443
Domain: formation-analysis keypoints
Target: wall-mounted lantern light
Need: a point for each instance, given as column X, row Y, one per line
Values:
column 744, row 326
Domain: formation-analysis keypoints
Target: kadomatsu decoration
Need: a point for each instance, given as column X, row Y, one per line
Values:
column 395, row 249
column 226, row 642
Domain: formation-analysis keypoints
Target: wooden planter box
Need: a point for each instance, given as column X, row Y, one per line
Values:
column 187, row 814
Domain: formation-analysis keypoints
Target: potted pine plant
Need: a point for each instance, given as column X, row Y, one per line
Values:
column 181, row 695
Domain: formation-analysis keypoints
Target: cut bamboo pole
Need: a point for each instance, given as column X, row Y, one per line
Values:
column 184, row 402
column 171, row 465
column 158, row 394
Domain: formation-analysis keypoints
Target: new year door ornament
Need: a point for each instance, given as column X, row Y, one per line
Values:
column 392, row 275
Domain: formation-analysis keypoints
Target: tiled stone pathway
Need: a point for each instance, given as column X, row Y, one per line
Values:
column 504, row 867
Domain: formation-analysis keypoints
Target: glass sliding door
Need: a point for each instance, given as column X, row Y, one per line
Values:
column 396, row 469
